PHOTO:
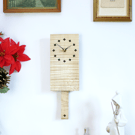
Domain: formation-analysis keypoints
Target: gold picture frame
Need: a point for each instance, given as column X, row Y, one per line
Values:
column 30, row 6
column 120, row 15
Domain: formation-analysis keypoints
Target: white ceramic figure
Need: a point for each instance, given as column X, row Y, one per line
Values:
column 116, row 127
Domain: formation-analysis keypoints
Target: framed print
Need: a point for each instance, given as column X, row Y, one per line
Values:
column 112, row 10
column 29, row 6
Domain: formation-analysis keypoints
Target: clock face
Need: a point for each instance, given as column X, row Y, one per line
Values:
column 64, row 52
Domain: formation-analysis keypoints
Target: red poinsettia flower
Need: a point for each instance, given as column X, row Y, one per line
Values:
column 5, row 58
column 18, row 55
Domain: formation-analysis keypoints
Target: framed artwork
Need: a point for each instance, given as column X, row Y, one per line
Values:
column 29, row 6
column 112, row 10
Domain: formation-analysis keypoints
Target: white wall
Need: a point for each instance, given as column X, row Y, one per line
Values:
column 107, row 64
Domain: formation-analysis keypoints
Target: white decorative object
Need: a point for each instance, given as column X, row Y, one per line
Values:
column 116, row 127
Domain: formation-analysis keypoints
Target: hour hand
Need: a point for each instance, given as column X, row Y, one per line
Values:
column 68, row 47
column 61, row 47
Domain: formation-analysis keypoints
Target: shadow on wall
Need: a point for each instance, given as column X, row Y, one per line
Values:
column 45, row 64
column 89, row 115
column 80, row 62
column 87, row 131
column 58, row 107
column 2, row 130
column 76, row 133
column 129, row 111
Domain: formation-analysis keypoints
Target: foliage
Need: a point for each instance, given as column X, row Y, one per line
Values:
column 4, row 90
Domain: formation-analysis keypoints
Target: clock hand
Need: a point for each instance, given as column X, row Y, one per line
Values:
column 61, row 47
column 67, row 48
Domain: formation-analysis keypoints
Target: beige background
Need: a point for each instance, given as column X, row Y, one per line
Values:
column 112, row 11
column 112, row 4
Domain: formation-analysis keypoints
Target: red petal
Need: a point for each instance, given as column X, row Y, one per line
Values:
column 2, row 63
column 13, row 42
column 5, row 44
column 1, row 39
column 12, row 68
column 23, row 57
column 7, row 64
column 18, row 66
column 9, row 58
column 13, row 49
column 1, row 58
column 21, row 49
column 18, row 43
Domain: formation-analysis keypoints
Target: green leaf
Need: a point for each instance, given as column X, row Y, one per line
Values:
column 4, row 90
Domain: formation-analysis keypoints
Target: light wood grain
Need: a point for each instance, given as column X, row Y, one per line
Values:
column 64, row 105
column 65, row 83
column 66, row 88
column 63, row 74
column 68, row 78
column 65, row 71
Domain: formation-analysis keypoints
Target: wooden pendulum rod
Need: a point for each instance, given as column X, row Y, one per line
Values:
column 64, row 105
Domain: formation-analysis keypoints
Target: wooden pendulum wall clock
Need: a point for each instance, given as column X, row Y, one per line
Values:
column 64, row 67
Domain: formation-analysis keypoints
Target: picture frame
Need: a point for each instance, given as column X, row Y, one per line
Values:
column 101, row 14
column 31, row 6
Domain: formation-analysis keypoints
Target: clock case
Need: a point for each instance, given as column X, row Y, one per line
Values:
column 64, row 67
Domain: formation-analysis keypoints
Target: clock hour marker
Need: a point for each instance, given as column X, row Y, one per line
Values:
column 69, row 59
column 53, row 50
column 69, row 40
column 64, row 115
column 58, row 59
column 54, row 55
column 58, row 40
column 73, row 55
column 54, row 44
column 64, row 61
column 75, row 50
column 73, row 44
column 64, row 39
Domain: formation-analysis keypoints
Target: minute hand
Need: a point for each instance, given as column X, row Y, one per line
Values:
column 67, row 47
column 61, row 47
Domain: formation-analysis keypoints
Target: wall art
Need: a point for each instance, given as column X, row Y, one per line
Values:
column 64, row 67
column 28, row 6
column 112, row 10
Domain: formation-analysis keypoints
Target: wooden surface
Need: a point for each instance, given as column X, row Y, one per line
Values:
column 64, row 76
column 64, row 105
column 127, row 18
column 30, row 10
